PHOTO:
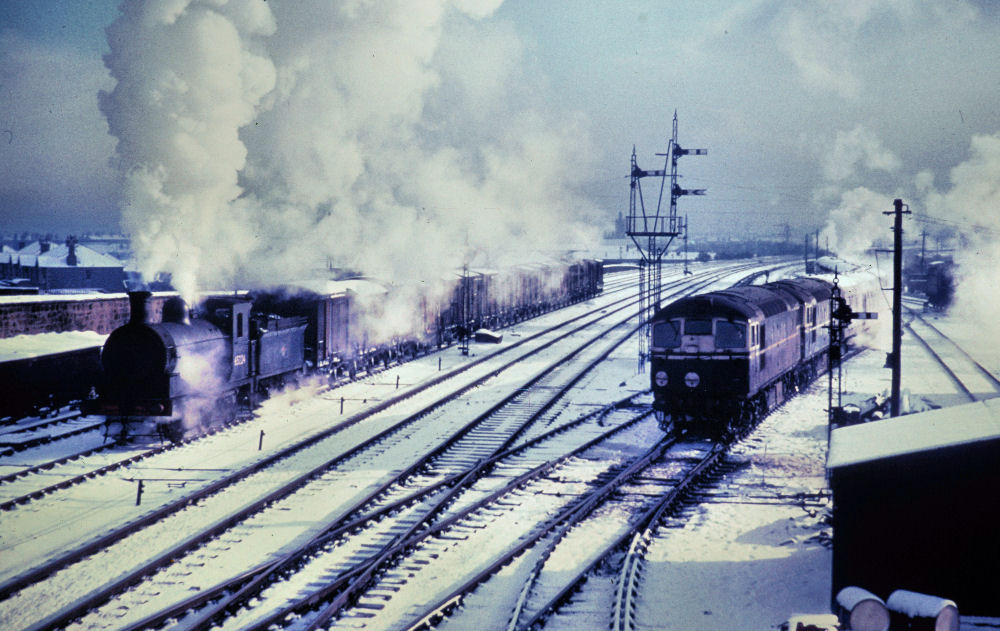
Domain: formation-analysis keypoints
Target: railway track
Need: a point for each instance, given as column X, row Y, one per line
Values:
column 37, row 480
column 451, row 446
column 222, row 479
column 10, row 587
column 974, row 381
column 42, row 446
column 31, row 480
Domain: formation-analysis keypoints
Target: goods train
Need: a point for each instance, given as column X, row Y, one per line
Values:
column 722, row 359
column 177, row 376
column 40, row 385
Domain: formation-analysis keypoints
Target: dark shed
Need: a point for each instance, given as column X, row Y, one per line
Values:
column 916, row 505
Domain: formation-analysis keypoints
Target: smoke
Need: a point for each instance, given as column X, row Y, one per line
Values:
column 969, row 209
column 857, row 224
column 962, row 217
column 262, row 141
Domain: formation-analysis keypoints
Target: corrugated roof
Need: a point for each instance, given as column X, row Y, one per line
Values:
column 914, row 433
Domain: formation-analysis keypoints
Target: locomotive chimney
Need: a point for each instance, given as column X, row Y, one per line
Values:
column 139, row 306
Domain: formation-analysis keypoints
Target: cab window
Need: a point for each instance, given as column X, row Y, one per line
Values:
column 697, row 327
column 730, row 334
column 667, row 334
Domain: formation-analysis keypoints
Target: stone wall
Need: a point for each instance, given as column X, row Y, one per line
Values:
column 50, row 314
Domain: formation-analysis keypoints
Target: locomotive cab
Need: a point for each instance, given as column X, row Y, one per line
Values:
column 700, row 335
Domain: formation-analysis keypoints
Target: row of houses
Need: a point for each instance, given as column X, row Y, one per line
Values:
column 44, row 266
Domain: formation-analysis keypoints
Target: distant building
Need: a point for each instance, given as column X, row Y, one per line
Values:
column 55, row 267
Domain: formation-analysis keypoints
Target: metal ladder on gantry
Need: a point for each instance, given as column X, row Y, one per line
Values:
column 652, row 231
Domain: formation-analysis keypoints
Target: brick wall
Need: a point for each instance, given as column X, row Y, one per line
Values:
column 54, row 315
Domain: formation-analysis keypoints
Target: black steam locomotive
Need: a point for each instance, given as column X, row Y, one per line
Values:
column 722, row 359
column 193, row 371
column 189, row 372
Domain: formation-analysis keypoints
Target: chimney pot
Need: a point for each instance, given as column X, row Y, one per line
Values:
column 71, row 257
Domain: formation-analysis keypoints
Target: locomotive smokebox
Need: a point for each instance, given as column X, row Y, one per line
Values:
column 139, row 307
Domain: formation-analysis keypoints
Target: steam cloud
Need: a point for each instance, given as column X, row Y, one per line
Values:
column 973, row 228
column 262, row 140
column 966, row 221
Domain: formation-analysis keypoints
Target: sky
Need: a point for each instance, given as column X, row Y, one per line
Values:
column 353, row 130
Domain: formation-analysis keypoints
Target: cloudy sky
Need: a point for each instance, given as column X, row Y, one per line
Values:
column 281, row 125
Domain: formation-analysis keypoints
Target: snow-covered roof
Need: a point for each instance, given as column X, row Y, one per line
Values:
column 56, row 256
column 363, row 286
column 320, row 287
column 84, row 296
column 24, row 346
column 946, row 427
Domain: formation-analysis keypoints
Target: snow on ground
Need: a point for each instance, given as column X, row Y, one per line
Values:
column 750, row 558
column 747, row 561
column 752, row 561
column 23, row 346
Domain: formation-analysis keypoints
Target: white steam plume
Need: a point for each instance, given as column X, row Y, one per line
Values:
column 972, row 207
column 187, row 82
column 261, row 140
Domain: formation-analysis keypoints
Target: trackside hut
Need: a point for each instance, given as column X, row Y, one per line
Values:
column 916, row 505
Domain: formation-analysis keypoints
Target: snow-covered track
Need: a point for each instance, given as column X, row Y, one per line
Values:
column 23, row 434
column 182, row 502
column 604, row 313
column 627, row 586
column 35, row 481
column 970, row 377
column 488, row 513
column 225, row 480
column 648, row 488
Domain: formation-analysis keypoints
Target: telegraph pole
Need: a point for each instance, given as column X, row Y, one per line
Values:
column 897, row 301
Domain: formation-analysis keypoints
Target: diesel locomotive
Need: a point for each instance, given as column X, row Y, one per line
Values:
column 722, row 359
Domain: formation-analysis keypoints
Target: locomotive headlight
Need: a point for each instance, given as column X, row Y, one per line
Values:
column 661, row 379
column 691, row 380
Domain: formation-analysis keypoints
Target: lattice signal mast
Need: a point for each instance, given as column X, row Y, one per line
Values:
column 652, row 232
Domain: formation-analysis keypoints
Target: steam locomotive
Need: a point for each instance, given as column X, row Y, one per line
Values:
column 188, row 372
column 721, row 360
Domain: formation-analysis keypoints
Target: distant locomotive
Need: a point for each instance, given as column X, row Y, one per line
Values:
column 185, row 373
column 722, row 359
column 932, row 278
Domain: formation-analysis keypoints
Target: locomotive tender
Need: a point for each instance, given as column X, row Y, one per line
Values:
column 187, row 373
column 721, row 360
